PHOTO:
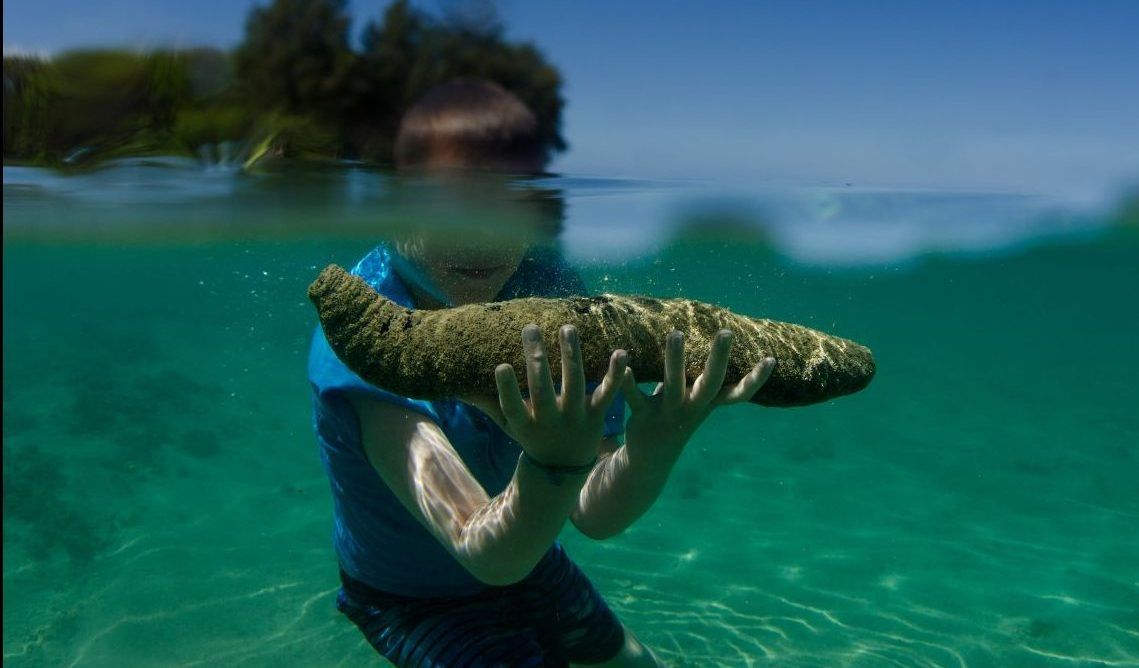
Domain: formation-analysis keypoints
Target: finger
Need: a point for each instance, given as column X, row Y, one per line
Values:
column 708, row 384
column 749, row 384
column 603, row 395
column 542, row 396
column 674, row 380
column 509, row 396
column 573, row 376
column 636, row 399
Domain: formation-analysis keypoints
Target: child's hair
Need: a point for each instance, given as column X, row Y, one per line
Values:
column 470, row 123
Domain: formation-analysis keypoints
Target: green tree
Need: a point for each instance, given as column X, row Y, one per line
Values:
column 93, row 103
column 29, row 99
column 381, row 93
column 293, row 88
column 296, row 57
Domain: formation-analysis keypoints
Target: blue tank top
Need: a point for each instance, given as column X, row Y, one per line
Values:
column 377, row 540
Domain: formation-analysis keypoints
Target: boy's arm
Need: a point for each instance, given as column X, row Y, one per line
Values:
column 618, row 492
column 498, row 540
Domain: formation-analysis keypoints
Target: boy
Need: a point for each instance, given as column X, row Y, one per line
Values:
column 447, row 515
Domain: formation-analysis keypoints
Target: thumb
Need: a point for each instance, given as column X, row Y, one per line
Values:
column 488, row 406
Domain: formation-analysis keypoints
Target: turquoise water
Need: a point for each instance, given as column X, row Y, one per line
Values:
column 976, row 506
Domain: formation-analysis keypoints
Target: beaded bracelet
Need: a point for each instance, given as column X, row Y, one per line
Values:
column 557, row 474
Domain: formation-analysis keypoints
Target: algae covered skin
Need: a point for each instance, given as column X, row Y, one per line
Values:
column 431, row 354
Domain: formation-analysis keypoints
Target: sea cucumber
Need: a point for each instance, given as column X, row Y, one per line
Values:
column 431, row 354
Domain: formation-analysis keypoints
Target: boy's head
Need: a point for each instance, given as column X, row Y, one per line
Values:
column 460, row 130
column 470, row 124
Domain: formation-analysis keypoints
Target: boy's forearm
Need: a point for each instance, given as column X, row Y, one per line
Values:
column 505, row 539
column 619, row 491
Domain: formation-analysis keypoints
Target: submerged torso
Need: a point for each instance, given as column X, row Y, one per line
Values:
column 377, row 540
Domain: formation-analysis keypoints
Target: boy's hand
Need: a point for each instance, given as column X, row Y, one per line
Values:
column 661, row 424
column 556, row 430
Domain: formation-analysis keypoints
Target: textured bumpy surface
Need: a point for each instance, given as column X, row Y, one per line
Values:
column 453, row 352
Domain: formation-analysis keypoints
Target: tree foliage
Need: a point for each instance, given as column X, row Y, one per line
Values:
column 296, row 57
column 95, row 101
column 294, row 86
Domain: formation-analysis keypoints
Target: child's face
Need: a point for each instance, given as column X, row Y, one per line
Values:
column 472, row 237
column 470, row 273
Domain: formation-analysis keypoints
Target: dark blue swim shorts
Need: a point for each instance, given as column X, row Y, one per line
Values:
column 551, row 618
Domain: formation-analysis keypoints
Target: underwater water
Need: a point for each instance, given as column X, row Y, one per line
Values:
column 977, row 505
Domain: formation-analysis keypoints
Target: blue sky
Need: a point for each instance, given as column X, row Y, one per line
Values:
column 1035, row 95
